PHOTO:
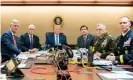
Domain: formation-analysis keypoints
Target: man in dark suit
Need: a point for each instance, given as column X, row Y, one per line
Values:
column 29, row 41
column 85, row 40
column 10, row 47
column 56, row 38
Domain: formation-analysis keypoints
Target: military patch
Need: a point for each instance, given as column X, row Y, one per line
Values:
column 127, row 43
column 110, row 35
column 104, row 43
column 126, row 51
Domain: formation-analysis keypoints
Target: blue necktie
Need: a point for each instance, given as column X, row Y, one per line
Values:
column 57, row 40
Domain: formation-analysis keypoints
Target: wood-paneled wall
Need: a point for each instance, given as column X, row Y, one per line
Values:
column 74, row 17
column 58, row 2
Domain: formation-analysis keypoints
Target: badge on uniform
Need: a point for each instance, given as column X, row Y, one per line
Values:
column 127, row 43
column 104, row 43
column 126, row 51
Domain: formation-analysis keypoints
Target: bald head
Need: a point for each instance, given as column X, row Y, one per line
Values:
column 125, row 24
column 31, row 29
column 101, row 29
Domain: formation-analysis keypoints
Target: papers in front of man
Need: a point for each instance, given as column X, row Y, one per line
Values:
column 26, row 56
column 115, row 76
column 3, row 77
column 42, row 52
column 102, row 62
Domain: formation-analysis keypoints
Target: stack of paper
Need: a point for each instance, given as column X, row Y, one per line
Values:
column 115, row 76
column 3, row 77
column 102, row 62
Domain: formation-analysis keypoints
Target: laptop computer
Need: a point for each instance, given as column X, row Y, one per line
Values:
column 11, row 69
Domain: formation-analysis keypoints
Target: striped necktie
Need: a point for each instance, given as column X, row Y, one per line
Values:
column 84, row 41
column 14, row 41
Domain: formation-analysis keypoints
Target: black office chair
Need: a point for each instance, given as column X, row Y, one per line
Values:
column 50, row 33
column 47, row 35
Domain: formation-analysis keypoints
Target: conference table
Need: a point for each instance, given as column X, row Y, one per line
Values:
column 48, row 72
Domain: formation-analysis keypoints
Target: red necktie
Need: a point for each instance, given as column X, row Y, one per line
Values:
column 14, row 40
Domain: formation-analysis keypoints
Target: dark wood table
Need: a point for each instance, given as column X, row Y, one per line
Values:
column 49, row 72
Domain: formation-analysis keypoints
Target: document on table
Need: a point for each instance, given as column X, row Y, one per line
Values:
column 42, row 52
column 102, row 62
column 115, row 76
column 3, row 77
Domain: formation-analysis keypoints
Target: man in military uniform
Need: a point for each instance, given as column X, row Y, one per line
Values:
column 124, row 50
column 85, row 39
column 103, row 44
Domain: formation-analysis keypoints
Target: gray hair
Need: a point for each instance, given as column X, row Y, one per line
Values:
column 14, row 21
column 31, row 26
column 125, row 17
column 102, row 25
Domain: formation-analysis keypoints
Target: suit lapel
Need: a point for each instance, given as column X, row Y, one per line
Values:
column 87, row 39
column 27, row 39
column 53, row 38
column 33, row 40
column 10, row 34
column 82, row 41
column 59, row 38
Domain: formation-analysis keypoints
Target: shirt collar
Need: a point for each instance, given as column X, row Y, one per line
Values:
column 30, row 34
column 123, row 34
column 56, row 34
column 85, row 36
column 12, row 32
column 103, row 35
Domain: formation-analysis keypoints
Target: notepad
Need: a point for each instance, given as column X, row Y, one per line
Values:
column 3, row 77
column 102, row 62
column 42, row 52
column 115, row 76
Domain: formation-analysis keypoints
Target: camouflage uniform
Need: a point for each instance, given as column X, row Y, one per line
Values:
column 104, row 44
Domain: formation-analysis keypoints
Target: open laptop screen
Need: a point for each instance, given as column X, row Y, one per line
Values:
column 10, row 65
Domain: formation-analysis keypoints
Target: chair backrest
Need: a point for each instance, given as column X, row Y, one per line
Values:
column 50, row 33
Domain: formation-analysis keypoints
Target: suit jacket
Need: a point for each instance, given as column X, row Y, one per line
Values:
column 80, row 41
column 8, row 48
column 25, row 42
column 50, row 39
